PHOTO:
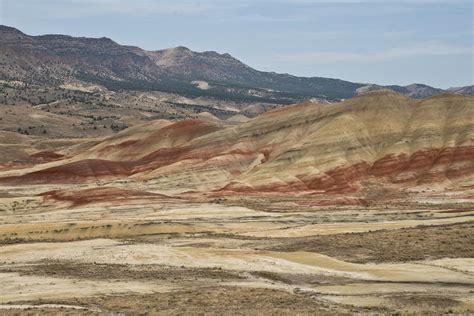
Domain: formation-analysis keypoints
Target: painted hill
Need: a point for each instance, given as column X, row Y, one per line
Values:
column 378, row 139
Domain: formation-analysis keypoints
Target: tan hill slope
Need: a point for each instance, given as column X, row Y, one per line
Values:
column 379, row 137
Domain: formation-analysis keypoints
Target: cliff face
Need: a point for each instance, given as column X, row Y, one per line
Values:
column 380, row 137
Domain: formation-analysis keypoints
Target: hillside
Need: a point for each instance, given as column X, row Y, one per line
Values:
column 218, row 69
column 308, row 147
column 55, row 60
column 415, row 91
column 468, row 90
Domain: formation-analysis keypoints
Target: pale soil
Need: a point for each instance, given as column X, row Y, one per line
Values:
column 203, row 85
column 225, row 256
column 75, row 111
column 339, row 228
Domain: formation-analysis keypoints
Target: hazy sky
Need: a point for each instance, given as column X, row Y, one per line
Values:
column 385, row 42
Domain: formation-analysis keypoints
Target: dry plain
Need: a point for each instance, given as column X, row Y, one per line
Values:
column 259, row 254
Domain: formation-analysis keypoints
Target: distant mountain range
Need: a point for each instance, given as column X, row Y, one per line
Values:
column 57, row 59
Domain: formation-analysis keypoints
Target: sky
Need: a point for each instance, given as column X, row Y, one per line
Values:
column 367, row 41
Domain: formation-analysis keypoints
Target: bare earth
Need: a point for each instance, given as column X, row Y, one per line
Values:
column 184, row 256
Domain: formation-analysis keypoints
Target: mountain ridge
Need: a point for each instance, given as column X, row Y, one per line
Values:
column 55, row 59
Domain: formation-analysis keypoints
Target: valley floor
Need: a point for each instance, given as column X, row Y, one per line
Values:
column 233, row 254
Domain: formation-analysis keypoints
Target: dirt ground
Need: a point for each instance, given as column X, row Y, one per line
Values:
column 234, row 255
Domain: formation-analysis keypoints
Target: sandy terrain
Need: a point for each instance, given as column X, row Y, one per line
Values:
column 186, row 255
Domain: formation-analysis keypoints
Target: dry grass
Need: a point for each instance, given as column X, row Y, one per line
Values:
column 407, row 244
column 75, row 270
column 212, row 301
